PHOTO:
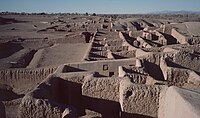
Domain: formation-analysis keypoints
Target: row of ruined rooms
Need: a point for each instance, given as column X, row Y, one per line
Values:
column 120, row 48
column 118, row 89
column 125, row 45
column 172, row 66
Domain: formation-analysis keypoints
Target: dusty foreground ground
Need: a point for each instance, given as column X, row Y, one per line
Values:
column 99, row 66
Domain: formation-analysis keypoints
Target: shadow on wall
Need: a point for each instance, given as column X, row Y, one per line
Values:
column 61, row 91
column 170, row 39
column 95, row 50
column 128, row 115
column 94, row 44
column 7, row 95
column 118, row 56
column 128, row 38
column 70, row 93
column 24, row 62
column 9, row 48
column 172, row 64
column 154, row 70
column 101, row 32
column 107, row 108
column 87, row 36
column 2, row 110
column 96, row 55
column 71, row 69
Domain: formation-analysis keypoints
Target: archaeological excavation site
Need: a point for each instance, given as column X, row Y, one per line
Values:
column 99, row 66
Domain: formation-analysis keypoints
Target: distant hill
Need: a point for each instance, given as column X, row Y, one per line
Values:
column 176, row 12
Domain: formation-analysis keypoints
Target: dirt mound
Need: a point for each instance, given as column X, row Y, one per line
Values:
column 4, row 21
column 131, row 24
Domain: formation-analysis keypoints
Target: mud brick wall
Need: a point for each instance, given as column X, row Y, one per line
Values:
column 25, row 76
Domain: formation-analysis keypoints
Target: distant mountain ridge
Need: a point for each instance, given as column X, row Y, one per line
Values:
column 176, row 12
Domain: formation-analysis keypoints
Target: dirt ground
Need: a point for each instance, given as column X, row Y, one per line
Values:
column 58, row 54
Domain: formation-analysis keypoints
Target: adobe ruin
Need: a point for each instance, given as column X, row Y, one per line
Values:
column 124, row 68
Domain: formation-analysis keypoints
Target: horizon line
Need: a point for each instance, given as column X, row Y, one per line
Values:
column 153, row 12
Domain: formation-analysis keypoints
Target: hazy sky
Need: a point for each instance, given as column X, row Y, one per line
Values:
column 99, row 6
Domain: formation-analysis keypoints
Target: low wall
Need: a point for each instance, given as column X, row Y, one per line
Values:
column 161, row 39
column 177, row 76
column 174, row 75
column 136, row 34
column 37, row 108
column 98, row 58
column 140, row 70
column 180, row 38
column 46, row 101
column 138, row 78
column 86, row 56
column 111, row 48
column 139, row 100
column 164, row 68
column 128, row 54
column 16, row 77
column 188, row 60
column 111, row 42
column 99, row 54
column 105, row 68
column 121, row 36
column 101, row 96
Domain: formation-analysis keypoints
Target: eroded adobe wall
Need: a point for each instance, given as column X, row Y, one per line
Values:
column 135, row 34
column 138, row 78
column 116, row 42
column 38, row 108
column 15, row 77
column 90, row 96
column 112, row 48
column 101, row 96
column 139, row 100
column 188, row 60
column 54, row 96
column 98, row 54
column 167, row 29
column 164, row 68
column 177, row 76
column 126, row 54
column 103, row 67
column 180, row 38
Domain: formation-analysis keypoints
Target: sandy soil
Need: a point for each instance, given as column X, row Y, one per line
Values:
column 193, row 28
column 58, row 54
column 189, row 28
